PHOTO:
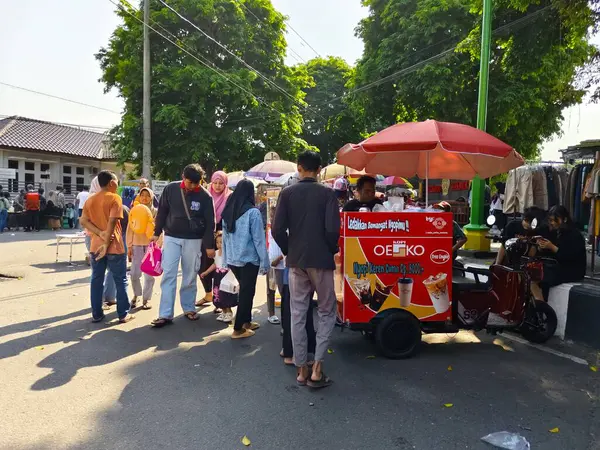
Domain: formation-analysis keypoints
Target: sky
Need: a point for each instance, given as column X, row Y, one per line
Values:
column 50, row 46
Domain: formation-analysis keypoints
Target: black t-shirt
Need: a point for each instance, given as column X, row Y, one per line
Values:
column 355, row 205
column 515, row 228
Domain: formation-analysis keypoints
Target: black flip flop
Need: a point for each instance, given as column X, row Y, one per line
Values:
column 324, row 382
column 158, row 324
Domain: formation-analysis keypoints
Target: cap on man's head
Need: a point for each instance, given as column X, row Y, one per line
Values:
column 444, row 206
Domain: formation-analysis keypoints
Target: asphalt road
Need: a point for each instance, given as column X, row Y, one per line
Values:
column 70, row 384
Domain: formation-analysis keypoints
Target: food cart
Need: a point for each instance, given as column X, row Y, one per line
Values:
column 394, row 273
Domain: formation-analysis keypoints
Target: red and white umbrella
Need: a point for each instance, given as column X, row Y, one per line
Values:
column 431, row 149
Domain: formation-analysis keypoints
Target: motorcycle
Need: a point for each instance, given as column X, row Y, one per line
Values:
column 500, row 298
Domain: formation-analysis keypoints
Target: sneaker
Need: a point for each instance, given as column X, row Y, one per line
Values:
column 227, row 317
column 220, row 317
column 274, row 320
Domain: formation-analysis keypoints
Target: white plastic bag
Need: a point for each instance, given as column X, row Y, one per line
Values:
column 272, row 279
column 230, row 284
column 506, row 440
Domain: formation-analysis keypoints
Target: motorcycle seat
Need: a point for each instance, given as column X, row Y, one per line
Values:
column 473, row 283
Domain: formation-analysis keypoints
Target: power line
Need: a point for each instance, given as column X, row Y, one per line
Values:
column 266, row 79
column 216, row 70
column 58, row 98
column 419, row 64
column 305, row 41
column 258, row 19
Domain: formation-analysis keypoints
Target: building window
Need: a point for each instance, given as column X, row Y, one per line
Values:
column 67, row 184
column 80, row 170
column 29, row 166
column 44, row 167
column 29, row 179
column 66, row 169
column 13, row 185
column 80, row 183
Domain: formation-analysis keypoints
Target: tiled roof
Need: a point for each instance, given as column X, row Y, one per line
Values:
column 30, row 134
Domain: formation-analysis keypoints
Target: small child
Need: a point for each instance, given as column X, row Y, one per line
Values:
column 70, row 215
column 222, row 300
column 137, row 245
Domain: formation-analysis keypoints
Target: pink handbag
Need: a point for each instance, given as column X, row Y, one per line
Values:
column 151, row 264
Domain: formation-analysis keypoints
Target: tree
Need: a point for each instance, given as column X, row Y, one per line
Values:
column 219, row 113
column 329, row 122
column 537, row 48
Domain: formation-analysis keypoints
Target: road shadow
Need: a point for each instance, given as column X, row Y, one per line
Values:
column 61, row 267
column 112, row 343
column 38, row 324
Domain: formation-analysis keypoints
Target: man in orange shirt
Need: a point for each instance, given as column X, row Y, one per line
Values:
column 101, row 216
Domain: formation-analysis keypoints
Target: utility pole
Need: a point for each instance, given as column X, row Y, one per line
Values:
column 476, row 230
column 146, row 111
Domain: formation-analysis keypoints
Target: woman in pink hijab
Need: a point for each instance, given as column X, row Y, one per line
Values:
column 219, row 191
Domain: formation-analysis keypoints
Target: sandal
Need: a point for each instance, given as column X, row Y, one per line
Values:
column 161, row 322
column 146, row 306
column 99, row 319
column 252, row 326
column 127, row 318
column 217, row 311
column 301, row 382
column 204, row 302
column 324, row 382
column 274, row 320
column 192, row 315
column 288, row 361
column 245, row 334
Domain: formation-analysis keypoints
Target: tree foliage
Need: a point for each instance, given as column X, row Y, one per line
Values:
column 197, row 114
column 329, row 121
column 537, row 48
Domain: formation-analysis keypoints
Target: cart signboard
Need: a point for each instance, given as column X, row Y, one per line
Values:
column 397, row 260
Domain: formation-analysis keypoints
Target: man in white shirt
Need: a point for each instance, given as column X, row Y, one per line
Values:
column 80, row 201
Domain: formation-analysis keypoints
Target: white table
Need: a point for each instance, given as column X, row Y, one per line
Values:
column 72, row 237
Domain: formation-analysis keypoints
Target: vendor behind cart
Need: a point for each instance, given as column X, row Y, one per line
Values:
column 367, row 195
column 522, row 228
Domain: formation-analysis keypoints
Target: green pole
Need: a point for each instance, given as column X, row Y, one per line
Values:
column 477, row 223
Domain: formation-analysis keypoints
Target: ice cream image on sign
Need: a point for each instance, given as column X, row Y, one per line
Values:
column 437, row 286
column 380, row 295
column 362, row 288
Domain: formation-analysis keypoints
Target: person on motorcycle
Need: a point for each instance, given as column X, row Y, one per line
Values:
column 523, row 229
column 458, row 236
column 567, row 247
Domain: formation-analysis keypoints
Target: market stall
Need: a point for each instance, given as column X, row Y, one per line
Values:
column 394, row 272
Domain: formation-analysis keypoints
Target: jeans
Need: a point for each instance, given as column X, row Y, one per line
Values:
column 246, row 276
column 110, row 289
column 189, row 252
column 3, row 220
column 117, row 264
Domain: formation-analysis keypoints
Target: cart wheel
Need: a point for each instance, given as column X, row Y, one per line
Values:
column 398, row 335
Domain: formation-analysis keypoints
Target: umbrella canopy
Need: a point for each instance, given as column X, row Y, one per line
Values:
column 432, row 149
column 397, row 181
column 272, row 169
column 336, row 171
column 285, row 178
column 234, row 178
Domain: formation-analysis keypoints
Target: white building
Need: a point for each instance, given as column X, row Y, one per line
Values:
column 47, row 154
